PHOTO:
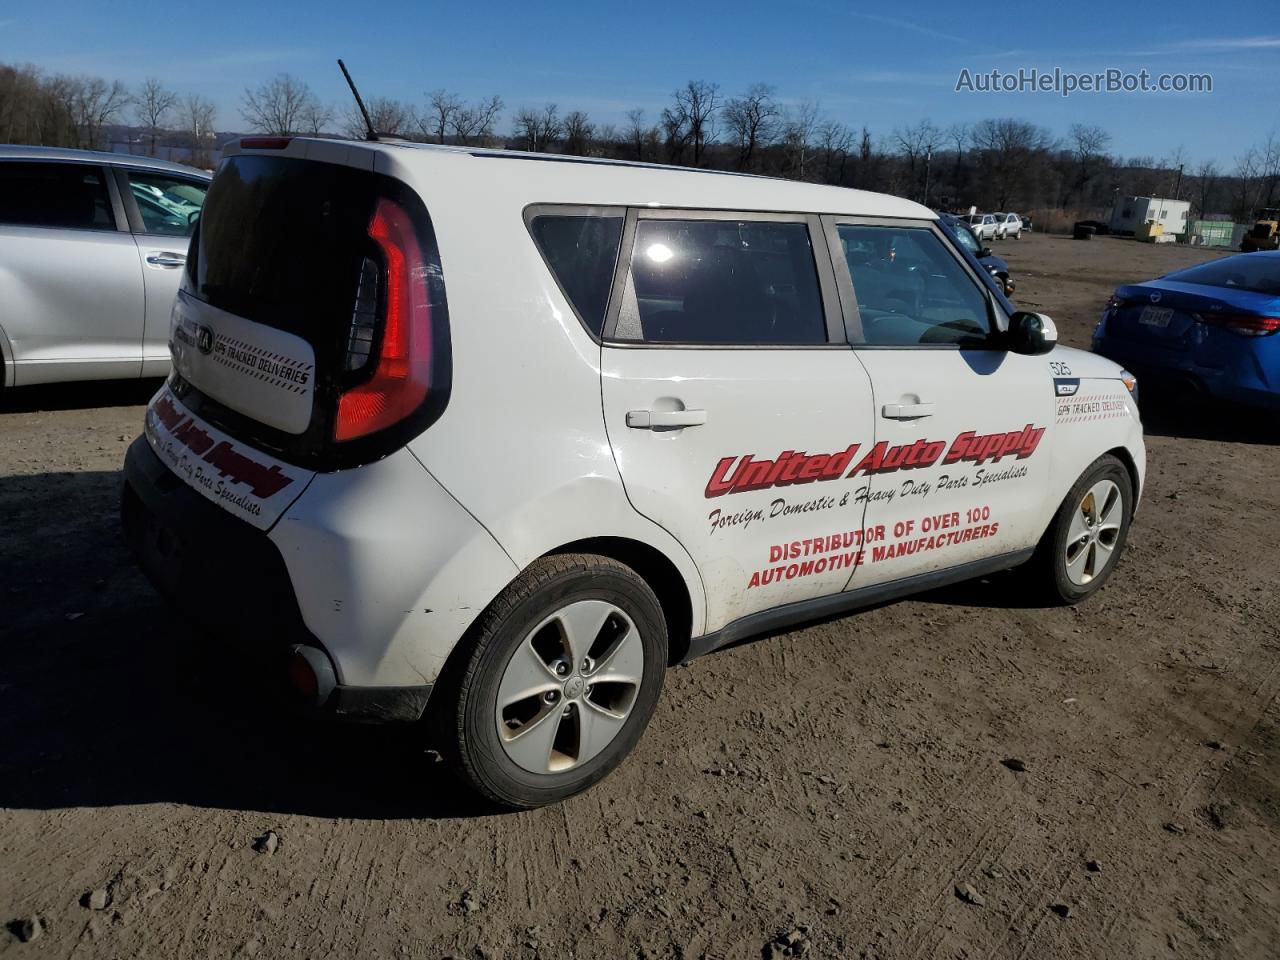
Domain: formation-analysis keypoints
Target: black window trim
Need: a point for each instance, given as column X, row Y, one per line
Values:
column 117, row 206
column 130, row 204
column 822, row 264
column 997, row 321
column 535, row 210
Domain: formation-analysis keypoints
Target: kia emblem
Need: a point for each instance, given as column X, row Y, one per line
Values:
column 204, row 340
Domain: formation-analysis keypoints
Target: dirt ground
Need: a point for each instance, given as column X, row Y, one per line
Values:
column 831, row 786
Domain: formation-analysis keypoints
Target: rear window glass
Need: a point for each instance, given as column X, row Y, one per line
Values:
column 582, row 252
column 67, row 195
column 1256, row 273
column 281, row 241
column 722, row 282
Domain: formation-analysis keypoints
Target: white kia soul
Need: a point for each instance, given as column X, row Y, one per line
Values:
column 488, row 440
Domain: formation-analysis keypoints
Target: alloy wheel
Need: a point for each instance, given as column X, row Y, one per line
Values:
column 1094, row 532
column 569, row 687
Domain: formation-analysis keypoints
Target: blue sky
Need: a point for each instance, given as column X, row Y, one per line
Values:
column 881, row 64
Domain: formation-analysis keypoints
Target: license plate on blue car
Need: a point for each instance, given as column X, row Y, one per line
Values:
column 1155, row 316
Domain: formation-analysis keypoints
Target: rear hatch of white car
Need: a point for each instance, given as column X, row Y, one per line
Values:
column 312, row 324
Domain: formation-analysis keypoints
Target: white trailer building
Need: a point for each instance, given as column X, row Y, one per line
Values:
column 1128, row 215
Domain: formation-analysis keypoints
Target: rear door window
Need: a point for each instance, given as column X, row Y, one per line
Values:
column 739, row 282
column 72, row 196
column 169, row 206
column 911, row 291
column 582, row 252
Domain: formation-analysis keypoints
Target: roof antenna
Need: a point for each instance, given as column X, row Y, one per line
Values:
column 372, row 134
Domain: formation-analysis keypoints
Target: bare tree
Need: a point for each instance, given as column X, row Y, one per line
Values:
column 1206, row 177
column 637, row 132
column 316, row 116
column 539, row 129
column 441, row 109
column 835, row 140
column 198, row 119
column 1174, row 163
column 1088, row 144
column 32, row 110
column 1269, row 170
column 390, row 117
column 578, row 131
column 958, row 136
column 917, row 143
column 277, row 106
column 696, row 104
column 1008, row 148
column 751, row 119
column 95, row 103
column 800, row 125
column 152, row 105
column 1246, row 171
column 675, row 132
column 474, row 123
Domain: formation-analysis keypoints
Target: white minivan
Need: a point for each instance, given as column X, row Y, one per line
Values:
column 488, row 440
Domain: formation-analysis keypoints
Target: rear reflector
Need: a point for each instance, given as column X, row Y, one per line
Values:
column 402, row 376
column 1247, row 324
column 310, row 673
column 264, row 143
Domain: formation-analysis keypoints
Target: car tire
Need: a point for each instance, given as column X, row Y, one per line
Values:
column 570, row 656
column 1084, row 542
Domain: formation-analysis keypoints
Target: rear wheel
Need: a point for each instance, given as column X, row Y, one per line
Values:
column 562, row 675
column 1083, row 543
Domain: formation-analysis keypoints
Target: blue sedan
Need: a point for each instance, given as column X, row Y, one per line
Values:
column 1212, row 327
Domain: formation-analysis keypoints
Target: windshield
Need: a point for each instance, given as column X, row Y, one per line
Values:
column 1256, row 273
column 965, row 238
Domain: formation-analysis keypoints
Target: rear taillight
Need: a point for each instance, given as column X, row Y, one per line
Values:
column 1246, row 324
column 402, row 375
column 1114, row 303
column 264, row 143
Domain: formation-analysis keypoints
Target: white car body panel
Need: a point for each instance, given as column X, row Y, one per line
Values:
column 392, row 562
column 975, row 497
column 682, row 478
column 389, row 570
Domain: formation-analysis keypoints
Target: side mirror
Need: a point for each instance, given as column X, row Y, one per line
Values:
column 984, row 252
column 1032, row 334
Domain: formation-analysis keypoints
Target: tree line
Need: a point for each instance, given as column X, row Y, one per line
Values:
column 993, row 164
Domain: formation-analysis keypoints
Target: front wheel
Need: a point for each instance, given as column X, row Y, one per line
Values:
column 1087, row 535
column 561, row 676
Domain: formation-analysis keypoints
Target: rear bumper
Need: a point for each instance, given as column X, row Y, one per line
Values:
column 1242, row 378
column 229, row 579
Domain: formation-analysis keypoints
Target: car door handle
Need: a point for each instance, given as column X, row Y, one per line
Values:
column 166, row 259
column 907, row 411
column 665, row 419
